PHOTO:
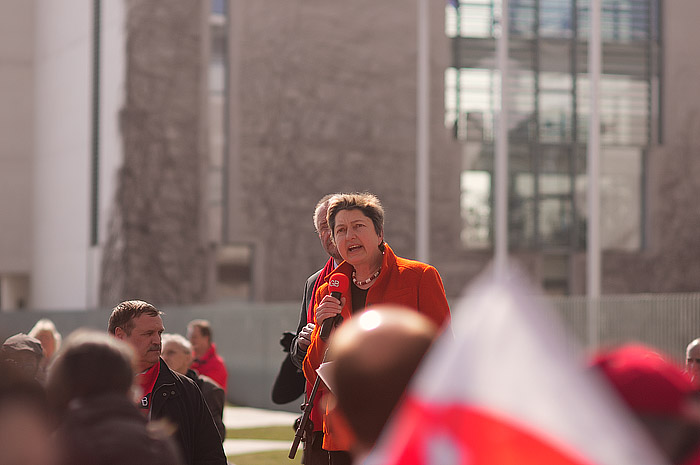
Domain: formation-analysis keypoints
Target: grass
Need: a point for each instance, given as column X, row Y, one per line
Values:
column 277, row 457
column 271, row 433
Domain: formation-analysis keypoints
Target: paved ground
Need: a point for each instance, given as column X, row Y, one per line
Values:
column 246, row 417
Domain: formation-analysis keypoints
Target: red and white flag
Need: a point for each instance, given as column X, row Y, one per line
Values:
column 509, row 389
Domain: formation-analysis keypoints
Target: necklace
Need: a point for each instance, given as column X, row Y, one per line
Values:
column 366, row 281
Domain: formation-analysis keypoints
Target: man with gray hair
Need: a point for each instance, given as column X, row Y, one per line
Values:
column 178, row 354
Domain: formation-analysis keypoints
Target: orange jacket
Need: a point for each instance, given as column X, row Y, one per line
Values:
column 401, row 281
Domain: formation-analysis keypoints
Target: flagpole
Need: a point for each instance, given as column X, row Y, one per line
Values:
column 501, row 151
column 593, row 240
column 423, row 134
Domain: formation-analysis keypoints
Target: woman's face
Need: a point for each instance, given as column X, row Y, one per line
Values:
column 356, row 239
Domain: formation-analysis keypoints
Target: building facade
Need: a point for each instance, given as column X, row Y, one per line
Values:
column 174, row 152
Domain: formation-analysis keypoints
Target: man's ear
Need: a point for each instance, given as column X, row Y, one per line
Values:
column 119, row 333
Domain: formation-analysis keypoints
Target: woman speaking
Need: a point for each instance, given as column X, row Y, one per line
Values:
column 378, row 277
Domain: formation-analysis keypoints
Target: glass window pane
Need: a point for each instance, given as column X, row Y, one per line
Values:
column 555, row 116
column 555, row 18
column 548, row 114
column 234, row 272
column 476, row 209
column 555, row 220
column 620, row 198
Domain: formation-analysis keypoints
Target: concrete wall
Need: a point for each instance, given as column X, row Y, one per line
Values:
column 246, row 336
column 111, row 148
column 62, row 155
column 16, row 134
column 156, row 246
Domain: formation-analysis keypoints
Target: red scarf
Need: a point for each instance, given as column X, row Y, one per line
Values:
column 147, row 381
column 311, row 314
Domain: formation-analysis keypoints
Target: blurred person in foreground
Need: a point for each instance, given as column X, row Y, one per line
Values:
column 24, row 419
column 692, row 361
column 45, row 331
column 23, row 351
column 165, row 394
column 661, row 396
column 207, row 361
column 378, row 276
column 374, row 356
column 178, row 354
column 90, row 389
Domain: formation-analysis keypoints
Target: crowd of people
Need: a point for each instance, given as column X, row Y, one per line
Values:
column 130, row 395
column 136, row 394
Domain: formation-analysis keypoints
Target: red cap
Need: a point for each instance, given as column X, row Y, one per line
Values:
column 647, row 382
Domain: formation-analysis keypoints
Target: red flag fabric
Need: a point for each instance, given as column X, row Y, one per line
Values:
column 509, row 389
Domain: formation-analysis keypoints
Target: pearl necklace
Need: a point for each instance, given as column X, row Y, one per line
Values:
column 366, row 281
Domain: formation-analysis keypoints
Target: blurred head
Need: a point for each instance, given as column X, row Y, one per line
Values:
column 692, row 360
column 45, row 331
column 357, row 224
column 660, row 395
column 200, row 336
column 91, row 364
column 140, row 325
column 323, row 229
column 90, row 387
column 23, row 351
column 177, row 352
column 375, row 355
column 24, row 419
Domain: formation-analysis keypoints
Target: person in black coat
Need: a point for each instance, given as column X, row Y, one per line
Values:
column 165, row 394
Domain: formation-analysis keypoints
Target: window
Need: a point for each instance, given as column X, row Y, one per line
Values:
column 548, row 89
column 234, row 272
column 218, row 120
column 14, row 292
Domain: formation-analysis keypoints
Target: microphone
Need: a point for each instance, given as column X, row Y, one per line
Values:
column 337, row 283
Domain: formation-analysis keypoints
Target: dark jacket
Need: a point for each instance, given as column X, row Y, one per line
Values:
column 178, row 399
column 215, row 397
column 110, row 430
column 290, row 382
column 295, row 353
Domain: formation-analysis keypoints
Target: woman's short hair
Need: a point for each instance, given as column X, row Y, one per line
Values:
column 366, row 202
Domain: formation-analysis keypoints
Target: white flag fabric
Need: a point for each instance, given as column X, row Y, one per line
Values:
column 509, row 388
